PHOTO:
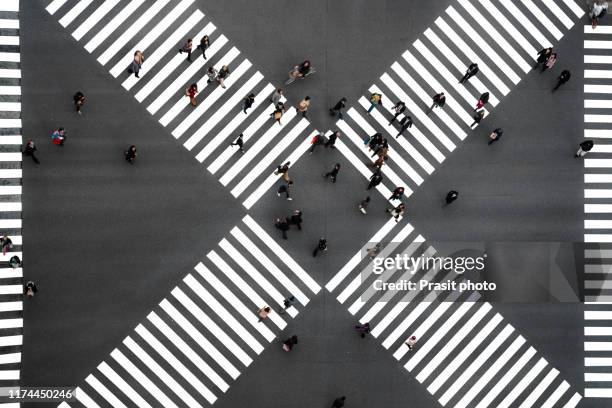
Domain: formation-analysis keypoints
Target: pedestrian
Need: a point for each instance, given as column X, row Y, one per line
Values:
column 285, row 188
column 130, row 154
column 239, row 142
column 289, row 343
column 296, row 219
column 375, row 99
column 375, row 179
column 211, row 73
column 282, row 225
column 451, row 196
column 247, row 102
column 363, row 205
column 399, row 108
column 187, row 48
column 79, row 100
column 405, row 123
column 380, row 161
column 287, row 303
column 398, row 193
column 204, row 44
column 375, row 141
column 337, row 108
column 584, row 148
column 191, row 92
column 482, row 101
column 331, row 141
column 278, row 113
column 478, row 116
column 550, row 62
column 30, row 289
column 597, row 11
column 222, row 75
column 276, row 96
column 303, row 106
column 381, row 149
column 562, row 78
column 14, row 262
column 284, row 170
column 397, row 212
column 495, row 135
column 136, row 64
column 471, row 71
column 411, row 342
column 321, row 246
column 338, row 402
column 374, row 251
column 6, row 244
column 438, row 100
column 542, row 56
column 30, row 150
column 318, row 139
column 363, row 329
column 333, row 173
column 58, row 136
column 263, row 313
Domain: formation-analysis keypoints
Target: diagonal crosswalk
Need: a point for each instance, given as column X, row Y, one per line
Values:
column 113, row 30
column 466, row 354
column 503, row 38
column 201, row 337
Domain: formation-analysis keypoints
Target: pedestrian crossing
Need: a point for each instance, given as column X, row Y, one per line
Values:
column 503, row 38
column 466, row 355
column 201, row 337
column 597, row 209
column 11, row 279
column 113, row 30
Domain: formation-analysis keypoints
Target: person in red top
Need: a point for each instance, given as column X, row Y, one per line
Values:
column 191, row 92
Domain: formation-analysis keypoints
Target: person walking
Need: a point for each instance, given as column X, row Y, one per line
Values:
column 187, row 48
column 6, row 244
column 405, row 123
column 222, row 75
column 363, row 329
column 562, row 78
column 495, row 135
column 374, row 251
column 482, row 101
column 30, row 150
column 296, row 219
column 478, row 116
column 282, row 225
column 584, row 148
column 333, row 173
column 380, row 161
column 303, row 106
column 318, row 139
column 276, row 96
column 398, row 193
column 15, row 262
column 278, row 113
column 239, row 142
column 263, row 313
column 287, row 303
column 284, row 170
column 191, row 92
column 397, row 212
column 248, row 102
column 375, row 179
column 438, row 101
column 550, row 62
column 375, row 100
column 211, row 73
column 331, row 141
column 598, row 10
column 79, row 100
column 451, row 196
column 375, row 141
column 285, row 188
column 338, row 402
column 289, row 343
column 30, row 289
column 58, row 136
column 471, row 71
column 542, row 56
column 321, row 246
column 337, row 108
column 204, row 44
column 136, row 64
column 363, row 205
column 130, row 154
column 399, row 108
column 411, row 342
column 381, row 149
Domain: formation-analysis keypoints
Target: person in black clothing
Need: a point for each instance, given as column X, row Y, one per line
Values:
column 332, row 139
column 478, row 116
column 375, row 141
column 287, row 303
column 321, row 246
column 382, row 148
column 562, row 78
column 405, row 123
column 15, row 262
column 316, row 140
column 399, row 108
column 30, row 289
column 338, row 402
column 482, row 101
column 30, row 150
column 222, row 75
column 296, row 219
column 333, row 173
column 187, row 48
column 337, row 108
column 451, row 196
column 284, row 188
column 282, row 225
column 471, row 71
column 79, row 100
column 204, row 44
column 130, row 154
column 248, row 101
column 438, row 101
column 584, row 148
column 375, row 179
column 239, row 142
column 363, row 329
column 495, row 135
column 543, row 56
column 398, row 193
column 289, row 343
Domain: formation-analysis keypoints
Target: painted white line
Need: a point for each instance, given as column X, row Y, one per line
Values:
column 597, row 284
column 8, row 23
column 9, row 40
column 597, row 44
column 10, row 224
column 11, row 306
column 599, row 89
column 94, row 18
column 10, row 206
column 10, row 123
column 10, row 73
column 597, row 163
column 526, row 23
column 104, row 392
column 598, row 133
column 10, row 90
column 598, row 238
column 74, row 12
column 597, row 346
column 10, row 358
column 556, row 395
column 10, row 107
column 597, row 315
column 597, row 331
column 55, row 5
column 598, row 59
column 122, row 385
column 604, row 268
column 588, row 29
column 10, row 140
column 598, row 118
column 598, row 224
column 112, row 25
column 578, row 11
column 539, row 389
column 597, row 193
column 598, row 103
column 598, row 362
column 10, row 190
column 509, row 27
column 520, row 387
column 11, row 340
column 598, row 253
column 84, row 398
column 10, row 290
column 545, row 21
column 575, row 398
column 598, row 392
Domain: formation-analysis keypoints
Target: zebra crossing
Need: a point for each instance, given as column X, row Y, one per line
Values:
column 503, row 38
column 466, row 355
column 201, row 337
column 11, row 279
column 114, row 29
column 597, row 209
